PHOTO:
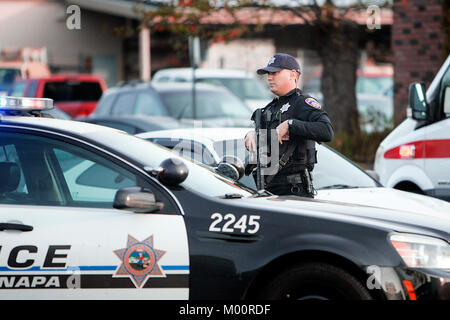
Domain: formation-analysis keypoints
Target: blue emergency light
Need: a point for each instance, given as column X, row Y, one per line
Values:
column 25, row 104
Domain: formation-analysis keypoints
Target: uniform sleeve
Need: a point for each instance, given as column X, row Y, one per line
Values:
column 320, row 130
column 311, row 122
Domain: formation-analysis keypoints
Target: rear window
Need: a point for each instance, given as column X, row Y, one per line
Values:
column 207, row 105
column 73, row 91
column 245, row 88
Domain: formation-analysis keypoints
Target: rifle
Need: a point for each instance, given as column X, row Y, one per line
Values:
column 259, row 177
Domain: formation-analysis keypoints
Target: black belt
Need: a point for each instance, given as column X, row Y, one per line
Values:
column 294, row 178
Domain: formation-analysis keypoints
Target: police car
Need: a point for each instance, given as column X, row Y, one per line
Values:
column 164, row 227
column 415, row 156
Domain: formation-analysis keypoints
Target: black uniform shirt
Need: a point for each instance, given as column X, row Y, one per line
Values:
column 309, row 120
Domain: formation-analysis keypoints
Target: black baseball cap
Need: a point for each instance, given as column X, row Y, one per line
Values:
column 279, row 62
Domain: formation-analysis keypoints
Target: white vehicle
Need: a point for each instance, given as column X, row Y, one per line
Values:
column 415, row 156
column 334, row 177
column 242, row 83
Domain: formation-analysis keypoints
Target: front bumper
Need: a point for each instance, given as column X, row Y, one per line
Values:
column 411, row 284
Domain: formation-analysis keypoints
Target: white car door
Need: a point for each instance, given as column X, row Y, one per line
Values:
column 58, row 243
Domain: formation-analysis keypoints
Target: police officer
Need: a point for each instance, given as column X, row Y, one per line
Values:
column 297, row 121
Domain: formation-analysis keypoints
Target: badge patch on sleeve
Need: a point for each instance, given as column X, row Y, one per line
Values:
column 313, row 103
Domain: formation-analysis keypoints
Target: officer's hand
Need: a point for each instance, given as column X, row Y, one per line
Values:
column 283, row 131
column 250, row 141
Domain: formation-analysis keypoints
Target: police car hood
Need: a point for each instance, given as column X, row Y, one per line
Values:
column 423, row 220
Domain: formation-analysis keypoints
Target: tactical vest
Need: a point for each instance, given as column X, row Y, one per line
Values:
column 304, row 154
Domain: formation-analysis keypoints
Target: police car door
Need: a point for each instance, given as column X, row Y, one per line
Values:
column 61, row 238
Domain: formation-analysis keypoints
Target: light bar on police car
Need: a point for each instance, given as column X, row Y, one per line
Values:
column 25, row 104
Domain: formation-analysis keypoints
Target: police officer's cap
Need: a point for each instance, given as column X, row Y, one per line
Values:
column 279, row 62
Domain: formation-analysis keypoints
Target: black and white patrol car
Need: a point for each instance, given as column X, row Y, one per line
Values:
column 94, row 213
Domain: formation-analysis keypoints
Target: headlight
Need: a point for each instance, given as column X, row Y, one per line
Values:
column 422, row 251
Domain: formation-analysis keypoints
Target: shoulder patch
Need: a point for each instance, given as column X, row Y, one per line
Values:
column 313, row 103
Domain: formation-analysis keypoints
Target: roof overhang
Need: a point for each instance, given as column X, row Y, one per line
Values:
column 283, row 16
column 121, row 8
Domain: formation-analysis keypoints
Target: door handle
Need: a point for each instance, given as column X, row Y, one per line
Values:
column 15, row 226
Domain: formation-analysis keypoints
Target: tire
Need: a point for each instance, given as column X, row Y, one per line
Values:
column 314, row 281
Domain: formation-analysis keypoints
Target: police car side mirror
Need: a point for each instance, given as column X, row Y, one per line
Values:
column 235, row 162
column 227, row 170
column 417, row 101
column 136, row 199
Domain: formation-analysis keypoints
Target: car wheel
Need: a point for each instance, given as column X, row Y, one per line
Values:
column 314, row 281
column 409, row 187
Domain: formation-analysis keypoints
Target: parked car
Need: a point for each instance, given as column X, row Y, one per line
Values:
column 143, row 107
column 415, row 156
column 76, row 95
column 334, row 177
column 243, row 84
column 200, row 234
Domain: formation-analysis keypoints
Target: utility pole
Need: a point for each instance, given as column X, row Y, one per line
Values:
column 144, row 54
column 194, row 50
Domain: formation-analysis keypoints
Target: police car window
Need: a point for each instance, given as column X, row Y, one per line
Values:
column 13, row 188
column 149, row 104
column 92, row 178
column 41, row 171
column 124, row 104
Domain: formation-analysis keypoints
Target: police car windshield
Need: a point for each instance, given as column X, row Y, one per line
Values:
column 200, row 179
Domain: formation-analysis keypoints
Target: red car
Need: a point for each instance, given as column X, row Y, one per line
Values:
column 77, row 95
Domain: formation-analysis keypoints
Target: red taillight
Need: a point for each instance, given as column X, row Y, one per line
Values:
column 412, row 150
column 407, row 151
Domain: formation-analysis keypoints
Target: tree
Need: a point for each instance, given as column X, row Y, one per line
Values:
column 336, row 33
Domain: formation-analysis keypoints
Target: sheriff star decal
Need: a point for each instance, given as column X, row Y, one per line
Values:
column 139, row 261
column 313, row 103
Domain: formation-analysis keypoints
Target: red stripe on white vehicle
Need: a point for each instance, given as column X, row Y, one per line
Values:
column 425, row 149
